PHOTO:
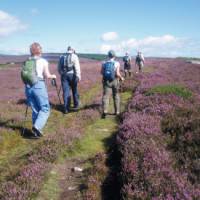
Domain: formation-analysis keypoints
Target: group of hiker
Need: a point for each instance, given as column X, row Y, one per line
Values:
column 139, row 63
column 35, row 70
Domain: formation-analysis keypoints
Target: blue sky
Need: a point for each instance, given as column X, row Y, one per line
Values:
column 156, row 27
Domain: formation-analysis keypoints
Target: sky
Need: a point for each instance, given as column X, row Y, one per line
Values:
column 162, row 28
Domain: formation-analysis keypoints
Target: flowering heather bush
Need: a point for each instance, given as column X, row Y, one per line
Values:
column 154, row 104
column 146, row 165
column 155, row 165
column 136, row 125
column 149, row 80
column 183, row 126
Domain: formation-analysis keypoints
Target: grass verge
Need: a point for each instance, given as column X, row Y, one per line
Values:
column 178, row 90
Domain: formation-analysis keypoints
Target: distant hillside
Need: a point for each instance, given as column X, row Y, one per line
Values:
column 51, row 57
column 93, row 56
column 191, row 60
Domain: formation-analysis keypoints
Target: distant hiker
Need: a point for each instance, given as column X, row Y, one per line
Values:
column 139, row 61
column 111, row 75
column 127, row 64
column 69, row 70
column 33, row 73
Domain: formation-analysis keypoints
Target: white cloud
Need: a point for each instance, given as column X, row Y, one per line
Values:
column 9, row 24
column 109, row 36
column 165, row 45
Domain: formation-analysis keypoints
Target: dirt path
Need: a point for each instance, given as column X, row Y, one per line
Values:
column 68, row 177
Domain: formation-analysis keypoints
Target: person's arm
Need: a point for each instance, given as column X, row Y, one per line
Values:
column 77, row 66
column 47, row 74
column 143, row 60
column 118, row 72
column 129, row 59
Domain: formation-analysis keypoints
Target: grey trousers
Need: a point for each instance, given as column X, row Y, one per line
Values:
column 108, row 88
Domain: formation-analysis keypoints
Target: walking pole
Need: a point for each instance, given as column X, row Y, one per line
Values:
column 53, row 82
column 26, row 113
column 60, row 90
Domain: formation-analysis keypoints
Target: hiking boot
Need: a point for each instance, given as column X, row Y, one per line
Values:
column 76, row 108
column 103, row 116
column 36, row 132
column 117, row 113
column 65, row 111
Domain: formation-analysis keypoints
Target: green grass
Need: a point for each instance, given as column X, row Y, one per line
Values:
column 96, row 134
column 148, row 69
column 95, row 140
column 171, row 89
column 3, row 66
column 51, row 188
column 14, row 148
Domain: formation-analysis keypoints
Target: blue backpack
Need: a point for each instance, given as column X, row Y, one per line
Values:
column 109, row 71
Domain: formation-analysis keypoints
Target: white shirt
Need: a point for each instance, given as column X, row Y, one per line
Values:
column 41, row 63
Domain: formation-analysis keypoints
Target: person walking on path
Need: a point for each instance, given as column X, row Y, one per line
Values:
column 69, row 70
column 111, row 75
column 139, row 61
column 127, row 65
column 36, row 92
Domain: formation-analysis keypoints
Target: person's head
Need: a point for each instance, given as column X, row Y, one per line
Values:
column 70, row 49
column 35, row 49
column 127, row 53
column 139, row 52
column 111, row 54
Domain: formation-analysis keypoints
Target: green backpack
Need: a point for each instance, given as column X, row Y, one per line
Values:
column 28, row 72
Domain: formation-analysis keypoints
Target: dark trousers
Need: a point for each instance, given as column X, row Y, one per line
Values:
column 70, row 82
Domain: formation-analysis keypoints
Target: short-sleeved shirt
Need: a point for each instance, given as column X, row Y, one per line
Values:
column 41, row 63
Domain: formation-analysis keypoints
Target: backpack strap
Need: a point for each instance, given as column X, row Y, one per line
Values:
column 66, row 64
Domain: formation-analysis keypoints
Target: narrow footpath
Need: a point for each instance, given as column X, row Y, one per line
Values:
column 69, row 176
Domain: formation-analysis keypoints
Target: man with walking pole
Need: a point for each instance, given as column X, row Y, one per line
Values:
column 69, row 70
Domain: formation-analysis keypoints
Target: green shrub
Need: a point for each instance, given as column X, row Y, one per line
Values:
column 170, row 89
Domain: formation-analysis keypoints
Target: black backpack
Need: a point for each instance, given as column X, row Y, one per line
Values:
column 138, row 59
column 66, row 63
column 126, row 59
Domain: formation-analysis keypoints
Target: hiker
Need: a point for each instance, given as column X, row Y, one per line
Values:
column 111, row 75
column 36, row 91
column 139, row 61
column 127, row 65
column 69, row 70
